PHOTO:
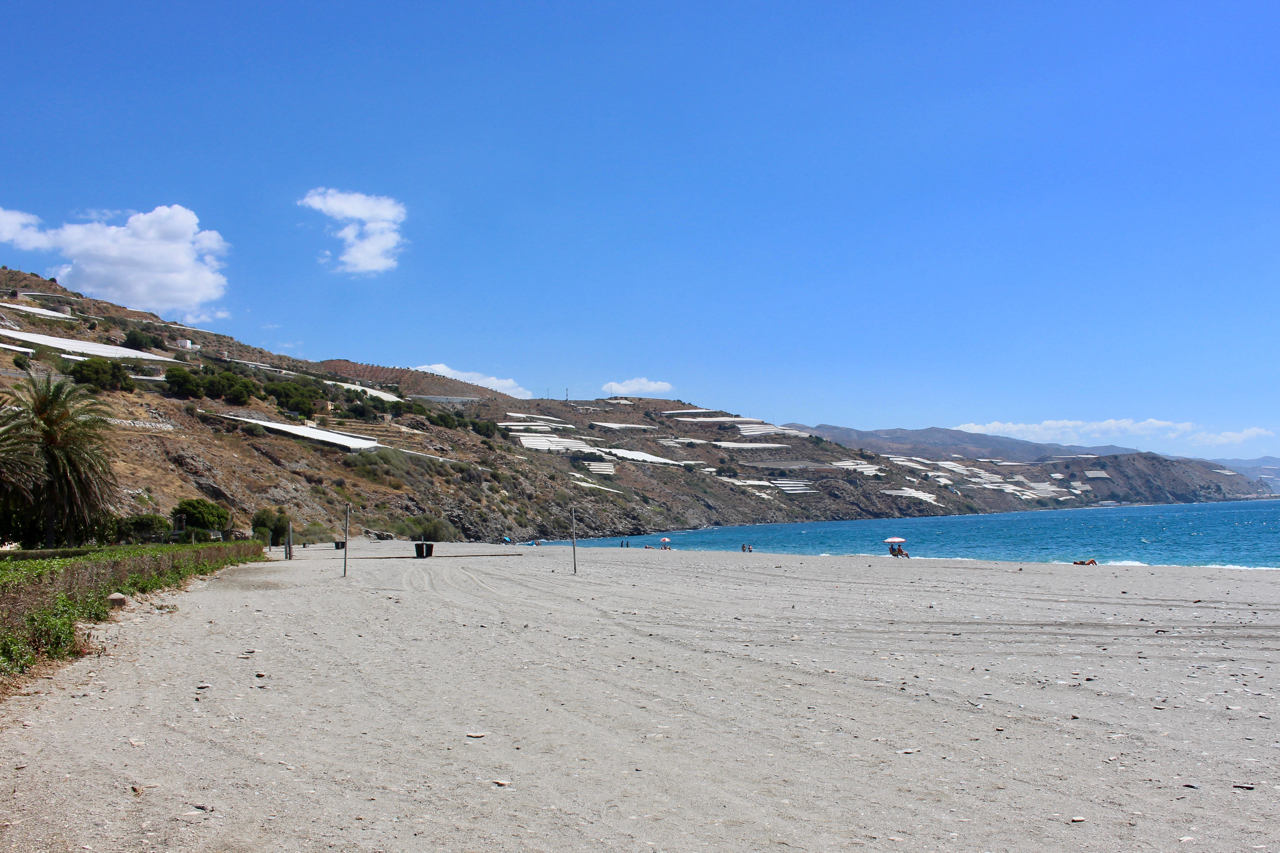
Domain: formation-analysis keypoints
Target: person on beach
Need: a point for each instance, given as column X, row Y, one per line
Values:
column 750, row 550
column 744, row 547
column 1088, row 562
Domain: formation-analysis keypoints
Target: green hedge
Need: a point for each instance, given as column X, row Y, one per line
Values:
column 42, row 600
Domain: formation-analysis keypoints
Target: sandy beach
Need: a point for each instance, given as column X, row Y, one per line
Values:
column 660, row 701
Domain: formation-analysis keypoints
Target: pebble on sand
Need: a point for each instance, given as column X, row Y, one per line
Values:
column 117, row 599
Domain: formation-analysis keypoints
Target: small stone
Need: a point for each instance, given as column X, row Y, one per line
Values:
column 476, row 734
column 1077, row 820
column 501, row 783
column 117, row 600
column 204, row 685
column 260, row 675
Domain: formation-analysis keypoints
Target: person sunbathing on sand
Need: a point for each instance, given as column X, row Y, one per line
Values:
column 1088, row 562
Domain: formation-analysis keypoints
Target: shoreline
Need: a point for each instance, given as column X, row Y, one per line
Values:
column 1226, row 535
column 1124, row 564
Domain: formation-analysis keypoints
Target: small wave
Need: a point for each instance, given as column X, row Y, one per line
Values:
column 1124, row 563
column 1245, row 568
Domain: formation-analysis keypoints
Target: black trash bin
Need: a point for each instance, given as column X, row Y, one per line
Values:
column 423, row 549
column 339, row 546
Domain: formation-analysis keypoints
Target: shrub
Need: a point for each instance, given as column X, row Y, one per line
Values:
column 311, row 534
column 202, row 514
column 142, row 527
column 425, row 528
column 103, row 375
column 142, row 341
column 183, row 383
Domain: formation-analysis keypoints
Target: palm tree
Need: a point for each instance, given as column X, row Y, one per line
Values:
column 64, row 425
column 19, row 466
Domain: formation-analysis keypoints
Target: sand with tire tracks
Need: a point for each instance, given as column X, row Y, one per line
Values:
column 673, row 701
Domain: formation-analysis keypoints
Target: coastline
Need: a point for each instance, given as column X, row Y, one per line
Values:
column 662, row 699
column 1246, row 535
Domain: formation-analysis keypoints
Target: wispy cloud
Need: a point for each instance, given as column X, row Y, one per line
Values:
column 1079, row 432
column 506, row 386
column 158, row 261
column 372, row 233
column 639, row 385
column 203, row 316
column 1221, row 438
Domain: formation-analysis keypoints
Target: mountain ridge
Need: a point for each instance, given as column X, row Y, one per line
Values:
column 942, row 443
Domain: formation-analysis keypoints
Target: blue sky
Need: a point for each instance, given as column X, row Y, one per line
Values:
column 1051, row 221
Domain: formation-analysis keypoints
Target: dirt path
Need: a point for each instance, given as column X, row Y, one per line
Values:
column 661, row 701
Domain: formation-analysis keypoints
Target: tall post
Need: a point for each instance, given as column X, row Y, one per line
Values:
column 573, row 517
column 346, row 537
column 288, row 551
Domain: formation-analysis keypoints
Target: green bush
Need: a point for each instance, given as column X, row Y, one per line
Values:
column 142, row 341
column 275, row 521
column 142, row 527
column 202, row 514
column 103, row 375
column 262, row 534
column 183, row 383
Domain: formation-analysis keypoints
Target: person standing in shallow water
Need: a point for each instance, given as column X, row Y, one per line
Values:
column 744, row 547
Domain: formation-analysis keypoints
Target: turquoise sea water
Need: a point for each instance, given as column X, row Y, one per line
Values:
column 1245, row 535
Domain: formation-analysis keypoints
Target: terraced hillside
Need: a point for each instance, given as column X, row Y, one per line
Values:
column 501, row 467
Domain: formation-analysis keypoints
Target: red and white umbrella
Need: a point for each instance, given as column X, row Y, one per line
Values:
column 894, row 540
column 664, row 539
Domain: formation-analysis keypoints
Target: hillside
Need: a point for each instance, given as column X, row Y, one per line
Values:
column 408, row 381
column 501, row 467
column 939, row 443
column 1265, row 470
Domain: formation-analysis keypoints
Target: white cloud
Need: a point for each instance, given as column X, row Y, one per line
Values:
column 1221, row 438
column 192, row 318
column 158, row 261
column 1086, row 432
column 506, row 386
column 639, row 385
column 372, row 233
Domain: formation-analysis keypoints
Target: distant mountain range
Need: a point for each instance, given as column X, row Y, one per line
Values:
column 939, row 443
column 1264, row 469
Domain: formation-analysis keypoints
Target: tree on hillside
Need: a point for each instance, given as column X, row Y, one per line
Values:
column 74, row 488
column 142, row 341
column 202, row 514
column 183, row 383
column 103, row 375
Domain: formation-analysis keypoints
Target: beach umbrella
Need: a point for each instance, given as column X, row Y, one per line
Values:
column 894, row 540
column 664, row 539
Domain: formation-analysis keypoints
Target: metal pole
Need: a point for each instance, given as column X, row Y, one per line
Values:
column 346, row 536
column 289, row 550
column 573, row 516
